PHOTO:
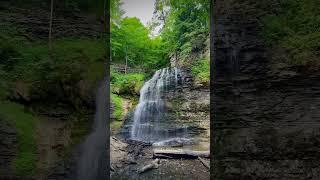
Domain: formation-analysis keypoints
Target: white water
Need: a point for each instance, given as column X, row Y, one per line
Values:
column 150, row 112
column 92, row 161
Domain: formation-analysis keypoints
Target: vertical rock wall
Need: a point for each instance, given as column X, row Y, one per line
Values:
column 266, row 121
column 8, row 146
column 32, row 20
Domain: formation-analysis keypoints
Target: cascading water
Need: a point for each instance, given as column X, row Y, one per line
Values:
column 92, row 163
column 150, row 113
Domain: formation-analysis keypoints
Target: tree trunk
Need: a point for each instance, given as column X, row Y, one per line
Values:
column 180, row 154
column 153, row 165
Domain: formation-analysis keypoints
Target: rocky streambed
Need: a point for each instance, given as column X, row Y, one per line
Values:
column 128, row 158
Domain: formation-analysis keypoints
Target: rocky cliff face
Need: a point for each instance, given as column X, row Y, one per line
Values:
column 32, row 20
column 189, row 106
column 61, row 106
column 187, row 109
column 265, row 114
column 8, row 147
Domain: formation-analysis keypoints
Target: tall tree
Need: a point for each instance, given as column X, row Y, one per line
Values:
column 116, row 11
column 131, row 44
column 187, row 25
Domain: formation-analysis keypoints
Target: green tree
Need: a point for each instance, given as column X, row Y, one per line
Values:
column 186, row 24
column 115, row 11
column 132, row 45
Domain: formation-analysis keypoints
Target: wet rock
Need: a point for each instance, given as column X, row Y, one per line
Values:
column 186, row 112
column 174, row 142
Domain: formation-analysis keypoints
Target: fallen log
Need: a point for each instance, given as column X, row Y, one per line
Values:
column 161, row 156
column 204, row 162
column 153, row 165
column 159, row 153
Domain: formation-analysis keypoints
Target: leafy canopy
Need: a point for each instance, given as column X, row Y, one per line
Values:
column 186, row 24
column 131, row 39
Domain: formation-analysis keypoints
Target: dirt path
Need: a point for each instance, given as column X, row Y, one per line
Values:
column 127, row 159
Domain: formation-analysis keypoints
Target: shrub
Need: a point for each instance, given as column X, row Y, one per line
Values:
column 304, row 49
column 117, row 112
column 201, row 71
column 295, row 29
column 126, row 84
column 71, row 61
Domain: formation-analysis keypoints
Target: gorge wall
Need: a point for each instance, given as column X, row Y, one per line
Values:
column 32, row 20
column 63, row 107
column 265, row 121
column 7, row 147
column 189, row 106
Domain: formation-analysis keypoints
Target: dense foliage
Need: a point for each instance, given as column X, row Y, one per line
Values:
column 115, row 11
column 126, row 84
column 70, row 61
column 296, row 29
column 117, row 113
column 130, row 41
column 186, row 25
column 201, row 71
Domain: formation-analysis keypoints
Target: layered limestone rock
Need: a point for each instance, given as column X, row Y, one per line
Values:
column 266, row 119
column 186, row 115
column 8, row 146
column 32, row 20
column 190, row 107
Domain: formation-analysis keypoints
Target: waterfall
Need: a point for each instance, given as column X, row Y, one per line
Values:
column 150, row 112
column 92, row 162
